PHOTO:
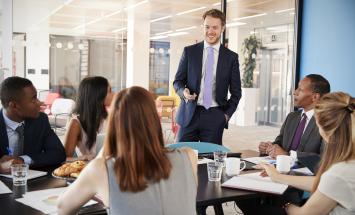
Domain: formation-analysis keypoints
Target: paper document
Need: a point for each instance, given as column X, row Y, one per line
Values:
column 303, row 170
column 4, row 189
column 257, row 160
column 255, row 182
column 45, row 200
column 31, row 174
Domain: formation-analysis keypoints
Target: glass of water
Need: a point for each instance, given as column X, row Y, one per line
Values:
column 214, row 170
column 19, row 174
column 220, row 157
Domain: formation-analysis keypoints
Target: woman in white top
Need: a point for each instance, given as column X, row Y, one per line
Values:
column 333, row 188
column 88, row 117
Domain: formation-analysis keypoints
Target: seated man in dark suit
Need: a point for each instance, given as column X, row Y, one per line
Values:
column 25, row 133
column 299, row 135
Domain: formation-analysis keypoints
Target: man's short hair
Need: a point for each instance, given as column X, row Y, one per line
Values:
column 319, row 84
column 12, row 89
column 216, row 14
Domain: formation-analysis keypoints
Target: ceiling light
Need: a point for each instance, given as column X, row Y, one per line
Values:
column 135, row 5
column 249, row 17
column 177, row 34
column 190, row 11
column 285, row 10
column 88, row 23
column 112, row 14
column 161, row 18
column 118, row 30
column 81, row 46
column 216, row 4
column 59, row 45
column 233, row 24
column 70, row 45
column 165, row 32
column 158, row 37
column 186, row 29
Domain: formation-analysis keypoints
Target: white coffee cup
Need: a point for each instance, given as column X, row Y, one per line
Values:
column 233, row 166
column 283, row 163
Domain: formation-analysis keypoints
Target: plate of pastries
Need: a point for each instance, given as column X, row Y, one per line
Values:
column 69, row 171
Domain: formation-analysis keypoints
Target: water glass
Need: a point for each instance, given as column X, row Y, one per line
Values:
column 214, row 170
column 19, row 174
column 220, row 157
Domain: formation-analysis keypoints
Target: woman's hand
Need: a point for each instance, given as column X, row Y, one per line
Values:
column 269, row 170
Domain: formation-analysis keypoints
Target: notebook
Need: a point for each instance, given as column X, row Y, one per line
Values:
column 31, row 174
column 255, row 182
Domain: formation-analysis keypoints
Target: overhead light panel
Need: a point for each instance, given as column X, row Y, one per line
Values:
column 135, row 5
column 119, row 30
column 186, row 29
column 161, row 18
column 158, row 37
column 178, row 34
column 285, row 10
column 250, row 17
column 190, row 11
column 165, row 32
column 233, row 24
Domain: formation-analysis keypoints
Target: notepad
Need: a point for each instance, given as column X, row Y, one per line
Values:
column 255, row 182
column 31, row 174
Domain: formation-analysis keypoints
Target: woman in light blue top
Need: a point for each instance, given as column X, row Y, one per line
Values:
column 136, row 174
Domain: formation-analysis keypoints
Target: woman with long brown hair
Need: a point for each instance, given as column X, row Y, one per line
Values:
column 137, row 174
column 333, row 187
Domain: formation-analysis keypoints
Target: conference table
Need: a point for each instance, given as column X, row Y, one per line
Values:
column 208, row 194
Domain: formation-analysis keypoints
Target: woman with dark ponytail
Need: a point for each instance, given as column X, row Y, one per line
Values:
column 88, row 117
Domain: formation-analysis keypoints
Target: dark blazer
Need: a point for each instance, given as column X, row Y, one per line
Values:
column 41, row 144
column 189, row 75
column 311, row 141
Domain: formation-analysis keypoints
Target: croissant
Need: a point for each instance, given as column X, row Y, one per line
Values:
column 68, row 169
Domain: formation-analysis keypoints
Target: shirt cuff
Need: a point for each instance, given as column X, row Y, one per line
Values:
column 293, row 155
column 26, row 159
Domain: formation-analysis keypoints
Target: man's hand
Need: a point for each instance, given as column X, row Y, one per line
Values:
column 263, row 147
column 188, row 96
column 275, row 150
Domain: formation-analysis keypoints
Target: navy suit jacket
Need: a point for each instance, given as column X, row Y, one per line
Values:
column 189, row 75
column 41, row 144
column 311, row 141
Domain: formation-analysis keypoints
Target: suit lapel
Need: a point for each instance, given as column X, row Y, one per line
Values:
column 3, row 134
column 199, row 54
column 27, row 134
column 219, row 64
column 307, row 132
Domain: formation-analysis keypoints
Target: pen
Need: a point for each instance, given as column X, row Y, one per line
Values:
column 9, row 151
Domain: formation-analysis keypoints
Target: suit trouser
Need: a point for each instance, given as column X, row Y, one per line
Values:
column 205, row 126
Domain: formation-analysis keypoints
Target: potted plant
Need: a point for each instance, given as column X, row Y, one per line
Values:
column 248, row 104
column 249, row 51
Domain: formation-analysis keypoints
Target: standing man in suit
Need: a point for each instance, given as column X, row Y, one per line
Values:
column 299, row 135
column 25, row 133
column 206, row 72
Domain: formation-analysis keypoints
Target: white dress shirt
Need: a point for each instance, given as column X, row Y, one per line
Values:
column 13, row 136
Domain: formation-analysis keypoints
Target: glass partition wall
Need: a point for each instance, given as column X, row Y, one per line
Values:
column 140, row 42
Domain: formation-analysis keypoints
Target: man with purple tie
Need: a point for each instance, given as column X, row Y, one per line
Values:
column 299, row 135
column 206, row 72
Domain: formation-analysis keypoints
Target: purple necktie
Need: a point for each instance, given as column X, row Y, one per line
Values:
column 207, row 88
column 299, row 132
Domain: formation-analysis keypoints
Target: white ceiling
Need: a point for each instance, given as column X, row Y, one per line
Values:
column 108, row 18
